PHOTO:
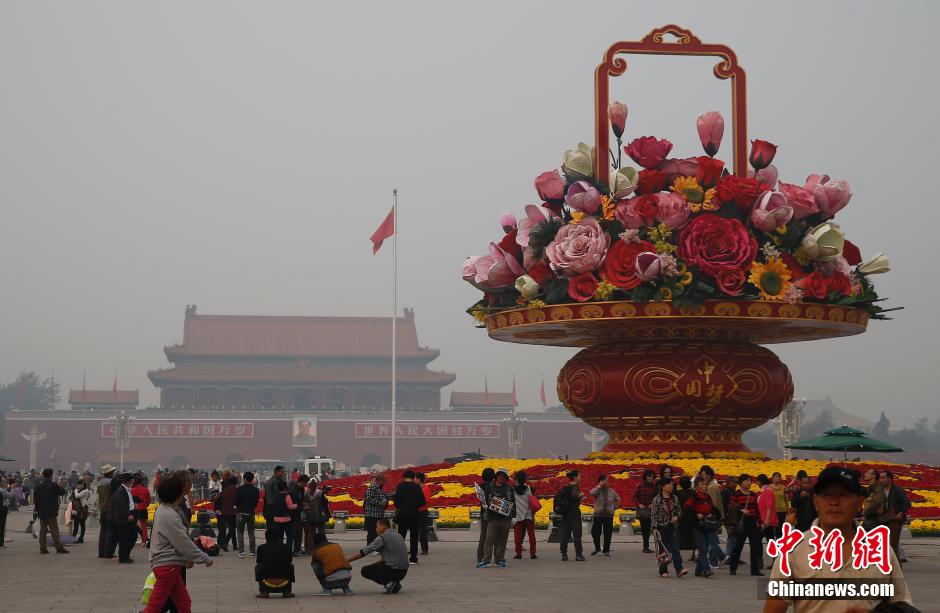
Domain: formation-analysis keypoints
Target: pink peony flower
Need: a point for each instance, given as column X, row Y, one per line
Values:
column 578, row 248
column 617, row 112
column 673, row 210
column 627, row 214
column 648, row 266
column 771, row 212
column 584, row 197
column 507, row 221
column 831, row 196
column 550, row 185
column 648, row 152
column 711, row 127
column 800, row 199
column 533, row 217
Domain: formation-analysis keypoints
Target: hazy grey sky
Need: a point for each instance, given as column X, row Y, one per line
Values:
column 238, row 155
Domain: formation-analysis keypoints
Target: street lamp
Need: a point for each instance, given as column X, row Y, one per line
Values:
column 122, row 434
column 789, row 431
column 515, row 433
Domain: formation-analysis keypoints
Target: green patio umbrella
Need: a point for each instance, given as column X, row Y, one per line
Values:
column 844, row 439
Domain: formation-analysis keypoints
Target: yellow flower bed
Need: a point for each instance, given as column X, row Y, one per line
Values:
column 925, row 527
column 453, row 490
column 931, row 498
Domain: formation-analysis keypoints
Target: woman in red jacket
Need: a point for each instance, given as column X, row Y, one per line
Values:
column 141, row 494
column 700, row 503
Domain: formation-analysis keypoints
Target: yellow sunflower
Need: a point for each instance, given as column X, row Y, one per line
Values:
column 699, row 198
column 772, row 278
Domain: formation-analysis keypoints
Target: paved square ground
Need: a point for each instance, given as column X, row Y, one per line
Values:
column 444, row 581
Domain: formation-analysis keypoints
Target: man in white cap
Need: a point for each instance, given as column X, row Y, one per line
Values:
column 106, row 485
column 499, row 513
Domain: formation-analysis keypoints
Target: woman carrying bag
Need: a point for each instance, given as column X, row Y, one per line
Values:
column 664, row 515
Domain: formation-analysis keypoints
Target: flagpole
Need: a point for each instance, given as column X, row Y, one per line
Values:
column 394, row 316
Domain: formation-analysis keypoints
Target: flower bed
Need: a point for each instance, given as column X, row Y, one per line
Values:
column 453, row 494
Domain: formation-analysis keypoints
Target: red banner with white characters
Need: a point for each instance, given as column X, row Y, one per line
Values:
column 182, row 429
column 431, row 429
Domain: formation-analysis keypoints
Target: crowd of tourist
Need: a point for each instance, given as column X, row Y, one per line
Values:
column 676, row 515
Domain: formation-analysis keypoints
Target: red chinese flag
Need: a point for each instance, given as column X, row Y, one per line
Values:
column 385, row 230
column 542, row 392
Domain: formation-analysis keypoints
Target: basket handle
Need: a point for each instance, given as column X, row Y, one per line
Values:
column 653, row 44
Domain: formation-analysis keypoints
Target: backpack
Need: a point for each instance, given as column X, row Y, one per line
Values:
column 561, row 503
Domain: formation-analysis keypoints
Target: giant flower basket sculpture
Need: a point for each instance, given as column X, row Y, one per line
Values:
column 672, row 275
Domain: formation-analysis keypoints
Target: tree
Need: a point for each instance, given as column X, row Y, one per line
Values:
column 880, row 431
column 28, row 391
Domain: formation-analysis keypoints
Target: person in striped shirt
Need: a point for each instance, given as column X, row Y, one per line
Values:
column 744, row 502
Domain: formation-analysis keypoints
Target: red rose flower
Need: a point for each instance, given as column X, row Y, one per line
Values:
column 541, row 273
column 762, row 154
column 650, row 182
column 814, row 285
column 715, row 244
column 731, row 281
column 646, row 207
column 648, row 151
column 740, row 191
column 510, row 246
column 709, row 171
column 851, row 253
column 838, row 283
column 582, row 287
column 619, row 267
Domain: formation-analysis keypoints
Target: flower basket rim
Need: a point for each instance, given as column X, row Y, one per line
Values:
column 584, row 324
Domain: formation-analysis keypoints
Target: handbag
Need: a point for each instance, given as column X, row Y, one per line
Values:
column 534, row 504
column 663, row 557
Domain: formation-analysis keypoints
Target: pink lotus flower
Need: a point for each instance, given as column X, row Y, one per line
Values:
column 584, row 197
column 507, row 221
column 648, row 266
column 578, row 248
column 673, row 210
column 496, row 270
column 533, row 217
column 767, row 177
column 617, row 112
column 711, row 127
column 550, row 185
column 831, row 196
column 771, row 212
column 800, row 199
column 648, row 152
